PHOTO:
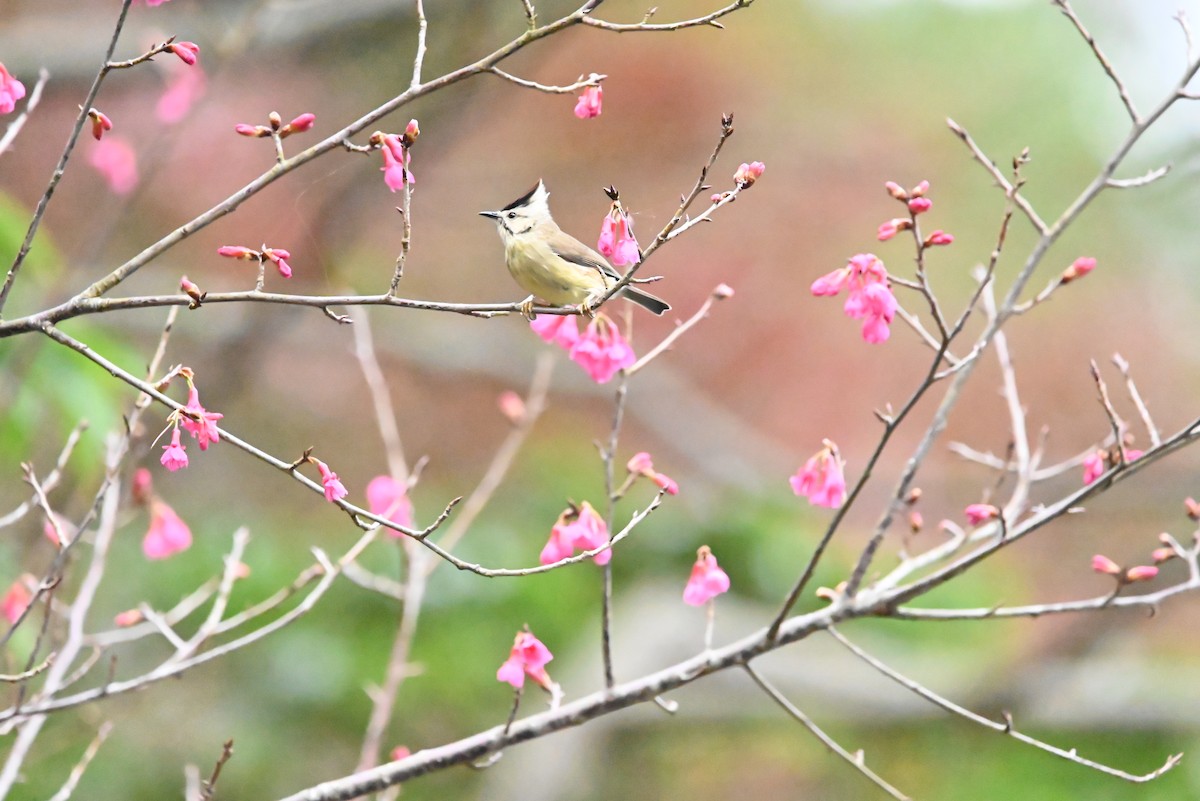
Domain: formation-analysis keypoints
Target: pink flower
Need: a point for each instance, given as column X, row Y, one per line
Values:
column 559, row 329
column 589, row 102
column 980, row 513
column 1078, row 269
column 188, row 52
column 174, row 455
column 528, row 657
column 617, row 242
column 747, row 174
column 279, row 257
column 168, row 535
column 641, row 465
column 396, row 162
column 938, row 237
column 821, row 479
column 892, row 227
column 238, row 252
column 334, row 489
column 577, row 529
column 1093, row 466
column 100, row 123
column 205, row 429
column 184, row 88
column 1102, row 564
column 920, row 205
column 1141, row 573
column 601, row 350
column 869, row 298
column 11, row 90
column 16, row 600
column 115, row 159
column 388, row 498
column 707, row 581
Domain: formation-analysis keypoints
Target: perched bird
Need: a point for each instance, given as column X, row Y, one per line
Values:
column 554, row 266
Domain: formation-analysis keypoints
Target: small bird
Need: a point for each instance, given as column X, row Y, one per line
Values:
column 554, row 266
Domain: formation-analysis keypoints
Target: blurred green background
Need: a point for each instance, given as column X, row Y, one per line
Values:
column 835, row 97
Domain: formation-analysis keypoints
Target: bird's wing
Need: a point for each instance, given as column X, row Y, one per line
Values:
column 578, row 253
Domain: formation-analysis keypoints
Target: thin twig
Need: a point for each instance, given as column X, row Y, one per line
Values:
column 18, row 122
column 1126, row 100
column 89, row 754
column 1136, row 397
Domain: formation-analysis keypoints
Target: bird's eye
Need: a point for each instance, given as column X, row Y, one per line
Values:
column 512, row 214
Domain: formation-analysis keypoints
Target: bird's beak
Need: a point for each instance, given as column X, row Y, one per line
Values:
column 495, row 215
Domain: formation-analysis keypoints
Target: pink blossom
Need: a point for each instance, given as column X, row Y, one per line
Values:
column 279, row 257
column 334, row 489
column 100, row 123
column 617, row 242
column 747, row 174
column 188, row 52
column 174, row 455
column 890, row 228
column 920, row 205
column 168, row 534
column 707, row 581
column 589, row 102
column 559, row 329
column 115, row 159
column 205, row 429
column 15, row 602
column 980, row 513
column 11, row 90
column 577, row 529
column 184, row 88
column 870, row 298
column 938, row 237
column 1093, row 466
column 601, row 350
column 1141, row 573
column 1102, row 564
column 141, row 486
column 396, row 163
column 641, row 465
column 821, row 479
column 528, row 657
column 388, row 498
column 1078, row 269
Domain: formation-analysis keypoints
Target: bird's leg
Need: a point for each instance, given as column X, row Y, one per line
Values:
column 527, row 308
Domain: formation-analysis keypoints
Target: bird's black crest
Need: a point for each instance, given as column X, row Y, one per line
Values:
column 523, row 199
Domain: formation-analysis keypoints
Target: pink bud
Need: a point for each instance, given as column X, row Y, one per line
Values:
column 512, row 406
column 938, row 237
column 238, row 252
column 399, row 752
column 100, row 123
column 279, row 257
column 920, row 205
column 1078, row 269
column 1192, row 508
column 981, row 512
column 1102, row 564
column 747, row 174
column 188, row 52
column 915, row 521
column 1160, row 555
column 192, row 291
column 723, row 292
column 919, row 190
column 302, row 123
column 141, row 486
column 590, row 102
column 129, row 617
column 251, row 130
column 411, row 132
column 896, row 190
column 892, row 227
column 1141, row 573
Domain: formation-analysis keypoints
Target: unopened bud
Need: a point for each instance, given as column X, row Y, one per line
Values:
column 100, row 123
column 1141, row 573
column 1078, row 269
column 938, row 237
column 896, row 190
column 1192, row 508
column 913, row 496
column 245, row 129
column 411, row 132
column 920, row 205
column 275, row 120
column 141, row 487
column 192, row 291
column 919, row 190
column 1160, row 555
column 747, row 174
column 1102, row 564
column 128, row 618
column 892, row 227
column 512, row 406
column 915, row 521
column 722, row 292
column 299, row 125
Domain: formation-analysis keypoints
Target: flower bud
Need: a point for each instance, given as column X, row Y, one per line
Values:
column 896, row 190
column 919, row 190
column 411, row 132
column 1102, row 564
column 1078, row 269
column 722, row 292
column 892, row 227
column 100, row 123
column 938, row 237
column 747, row 174
column 188, row 52
column 920, row 205
column 1192, row 508
column 915, row 521
column 128, row 618
column 512, row 406
column 1141, row 573
column 1160, row 555
column 275, row 120
column 300, row 124
column 141, row 487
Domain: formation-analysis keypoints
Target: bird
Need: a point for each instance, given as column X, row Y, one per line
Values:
column 554, row 266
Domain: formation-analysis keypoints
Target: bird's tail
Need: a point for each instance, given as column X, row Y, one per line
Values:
column 645, row 300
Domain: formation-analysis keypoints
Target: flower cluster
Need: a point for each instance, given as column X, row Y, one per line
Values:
column 870, row 297
column 275, row 126
column 747, row 174
column 195, row 420
column 916, row 203
column 600, row 350
column 277, row 256
column 578, row 528
column 1096, row 463
column 821, row 480
column 617, row 242
column 397, row 156
column 1102, row 564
